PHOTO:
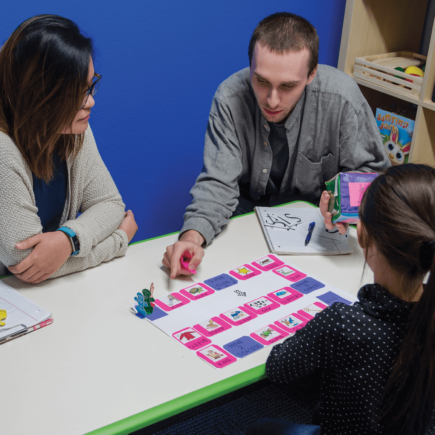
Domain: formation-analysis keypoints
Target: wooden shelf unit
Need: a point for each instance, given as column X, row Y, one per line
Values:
column 375, row 27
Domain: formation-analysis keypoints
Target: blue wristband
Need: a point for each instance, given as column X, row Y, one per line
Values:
column 74, row 240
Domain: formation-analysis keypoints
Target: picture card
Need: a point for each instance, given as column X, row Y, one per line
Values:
column 221, row 281
column 261, row 305
column 289, row 273
column 311, row 310
column 330, row 297
column 268, row 262
column 285, row 295
column 197, row 291
column 292, row 322
column 269, row 334
column 243, row 346
column 172, row 301
column 192, row 339
column 216, row 356
column 245, row 272
column 212, row 326
column 307, row 285
column 238, row 316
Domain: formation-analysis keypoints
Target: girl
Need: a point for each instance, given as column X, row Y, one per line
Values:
column 50, row 168
column 375, row 361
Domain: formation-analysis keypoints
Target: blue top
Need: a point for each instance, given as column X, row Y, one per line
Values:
column 50, row 198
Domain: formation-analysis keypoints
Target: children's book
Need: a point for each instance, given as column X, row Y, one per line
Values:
column 286, row 230
column 396, row 133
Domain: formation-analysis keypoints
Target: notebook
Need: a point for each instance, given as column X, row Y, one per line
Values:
column 22, row 315
column 286, row 229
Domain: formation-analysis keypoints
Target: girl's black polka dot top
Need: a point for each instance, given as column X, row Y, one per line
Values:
column 348, row 352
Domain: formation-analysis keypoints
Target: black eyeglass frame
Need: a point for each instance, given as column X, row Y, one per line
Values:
column 92, row 89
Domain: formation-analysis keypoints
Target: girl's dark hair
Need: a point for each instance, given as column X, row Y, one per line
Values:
column 284, row 32
column 43, row 77
column 398, row 215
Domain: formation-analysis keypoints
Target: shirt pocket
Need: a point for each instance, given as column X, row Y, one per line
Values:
column 311, row 176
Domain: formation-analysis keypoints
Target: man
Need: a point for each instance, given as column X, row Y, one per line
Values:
column 277, row 131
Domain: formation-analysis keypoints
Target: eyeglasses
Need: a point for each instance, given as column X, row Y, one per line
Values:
column 92, row 90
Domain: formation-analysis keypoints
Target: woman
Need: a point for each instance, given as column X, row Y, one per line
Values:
column 50, row 168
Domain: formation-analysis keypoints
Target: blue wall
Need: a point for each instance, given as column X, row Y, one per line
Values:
column 161, row 63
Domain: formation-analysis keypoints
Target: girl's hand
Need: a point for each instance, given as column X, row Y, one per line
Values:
column 128, row 225
column 324, row 201
column 50, row 251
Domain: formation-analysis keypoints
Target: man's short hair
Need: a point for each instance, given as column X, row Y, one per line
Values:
column 284, row 32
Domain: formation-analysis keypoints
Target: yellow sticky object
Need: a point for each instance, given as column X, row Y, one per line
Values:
column 3, row 315
column 414, row 70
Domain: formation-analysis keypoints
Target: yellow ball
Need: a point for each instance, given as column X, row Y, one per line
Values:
column 414, row 70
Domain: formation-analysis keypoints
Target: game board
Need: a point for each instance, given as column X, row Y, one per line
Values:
column 238, row 312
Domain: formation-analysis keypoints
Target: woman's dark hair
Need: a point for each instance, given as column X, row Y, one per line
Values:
column 43, row 77
column 284, row 32
column 398, row 216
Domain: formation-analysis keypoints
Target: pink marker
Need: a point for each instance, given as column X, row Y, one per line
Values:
column 185, row 260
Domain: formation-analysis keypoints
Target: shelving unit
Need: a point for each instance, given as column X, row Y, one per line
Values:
column 375, row 27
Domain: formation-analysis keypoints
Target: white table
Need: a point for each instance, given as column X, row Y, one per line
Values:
column 98, row 364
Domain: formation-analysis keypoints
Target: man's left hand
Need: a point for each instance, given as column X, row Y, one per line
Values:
column 324, row 201
column 50, row 251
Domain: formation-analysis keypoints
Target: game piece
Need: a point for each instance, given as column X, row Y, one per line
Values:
column 346, row 190
column 149, row 299
column 140, row 307
column 185, row 260
column 3, row 315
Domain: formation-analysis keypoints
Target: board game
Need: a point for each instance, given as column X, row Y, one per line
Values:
column 240, row 311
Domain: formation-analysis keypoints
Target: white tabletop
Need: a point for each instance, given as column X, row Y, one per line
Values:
column 98, row 363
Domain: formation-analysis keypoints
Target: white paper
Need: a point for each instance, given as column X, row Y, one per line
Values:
column 20, row 311
column 286, row 229
column 202, row 310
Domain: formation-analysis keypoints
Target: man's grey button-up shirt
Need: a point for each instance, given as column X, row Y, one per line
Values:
column 331, row 129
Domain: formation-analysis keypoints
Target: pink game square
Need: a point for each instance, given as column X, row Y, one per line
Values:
column 216, row 356
column 285, row 295
column 173, row 301
column 356, row 192
column 289, row 273
column 192, row 339
column 238, row 316
column 269, row 335
column 261, row 305
column 268, row 262
column 311, row 310
column 212, row 326
column 197, row 291
column 244, row 272
column 292, row 323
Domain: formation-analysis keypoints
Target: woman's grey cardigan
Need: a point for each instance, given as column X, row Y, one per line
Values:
column 91, row 191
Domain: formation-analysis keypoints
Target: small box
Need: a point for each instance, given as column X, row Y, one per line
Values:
column 380, row 70
column 396, row 134
column 346, row 190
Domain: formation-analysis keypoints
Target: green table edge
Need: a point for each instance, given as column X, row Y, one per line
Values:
column 183, row 403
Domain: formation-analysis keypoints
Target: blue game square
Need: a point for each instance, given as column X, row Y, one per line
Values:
column 157, row 314
column 242, row 347
column 307, row 285
column 221, row 282
column 330, row 297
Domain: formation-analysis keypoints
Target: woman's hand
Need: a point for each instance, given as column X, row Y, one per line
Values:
column 50, row 251
column 128, row 225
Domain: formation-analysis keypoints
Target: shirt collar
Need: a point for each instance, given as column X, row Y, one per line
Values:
column 379, row 302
